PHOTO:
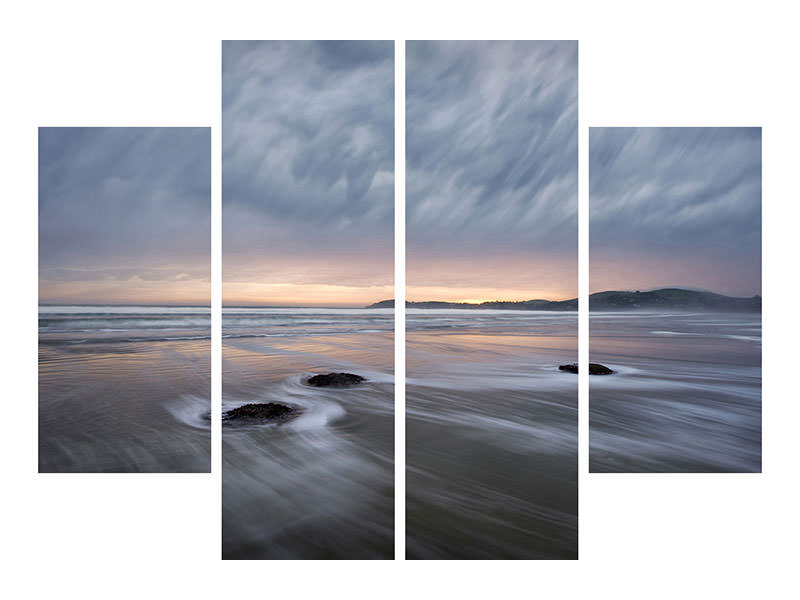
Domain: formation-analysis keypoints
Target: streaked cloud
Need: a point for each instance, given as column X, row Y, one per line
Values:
column 124, row 215
column 676, row 207
column 492, row 167
column 308, row 169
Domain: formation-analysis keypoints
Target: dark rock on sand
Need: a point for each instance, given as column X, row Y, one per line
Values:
column 271, row 412
column 594, row 369
column 336, row 380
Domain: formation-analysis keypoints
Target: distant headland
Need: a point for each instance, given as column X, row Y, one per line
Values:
column 670, row 299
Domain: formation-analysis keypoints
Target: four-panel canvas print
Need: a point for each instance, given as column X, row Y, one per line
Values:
column 308, row 300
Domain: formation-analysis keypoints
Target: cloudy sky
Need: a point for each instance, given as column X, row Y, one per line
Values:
column 308, row 172
column 675, row 207
column 124, row 215
column 492, row 170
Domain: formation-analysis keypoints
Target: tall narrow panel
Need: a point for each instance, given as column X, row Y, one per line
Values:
column 124, row 294
column 676, row 308
column 308, row 199
column 492, row 233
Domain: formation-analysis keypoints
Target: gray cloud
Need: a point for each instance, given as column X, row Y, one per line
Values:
column 666, row 195
column 492, row 138
column 308, row 156
column 124, row 203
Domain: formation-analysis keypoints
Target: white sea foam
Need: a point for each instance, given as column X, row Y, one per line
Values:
column 192, row 410
column 675, row 333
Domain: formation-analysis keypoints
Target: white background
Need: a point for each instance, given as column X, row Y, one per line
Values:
column 158, row 63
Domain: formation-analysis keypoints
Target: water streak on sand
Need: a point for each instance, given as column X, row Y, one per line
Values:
column 491, row 434
column 320, row 485
column 117, row 394
column 686, row 396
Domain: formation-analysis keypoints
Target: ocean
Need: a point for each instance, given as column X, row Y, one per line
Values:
column 491, row 434
column 322, row 485
column 124, row 389
column 686, row 395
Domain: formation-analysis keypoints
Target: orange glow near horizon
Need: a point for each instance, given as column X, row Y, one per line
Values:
column 491, row 277
column 477, row 295
column 339, row 283
column 290, row 294
column 186, row 293
column 263, row 294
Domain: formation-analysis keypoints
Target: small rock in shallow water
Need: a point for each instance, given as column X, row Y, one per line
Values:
column 335, row 380
column 594, row 369
column 271, row 412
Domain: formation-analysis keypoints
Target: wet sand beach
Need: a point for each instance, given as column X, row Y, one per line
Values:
column 320, row 486
column 686, row 395
column 124, row 390
column 491, row 435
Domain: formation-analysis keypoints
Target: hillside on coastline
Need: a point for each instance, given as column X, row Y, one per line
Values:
column 496, row 304
column 670, row 299
column 676, row 299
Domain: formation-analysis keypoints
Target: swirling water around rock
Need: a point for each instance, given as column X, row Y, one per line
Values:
column 124, row 389
column 319, row 485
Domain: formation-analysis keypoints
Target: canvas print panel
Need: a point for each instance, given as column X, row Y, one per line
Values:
column 124, row 294
column 675, row 327
column 308, row 361
column 491, row 180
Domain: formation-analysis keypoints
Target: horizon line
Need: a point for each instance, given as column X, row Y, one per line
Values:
column 651, row 289
column 354, row 305
column 123, row 304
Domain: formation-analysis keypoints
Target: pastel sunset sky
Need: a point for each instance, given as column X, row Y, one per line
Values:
column 124, row 215
column 492, row 170
column 308, row 172
column 675, row 207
